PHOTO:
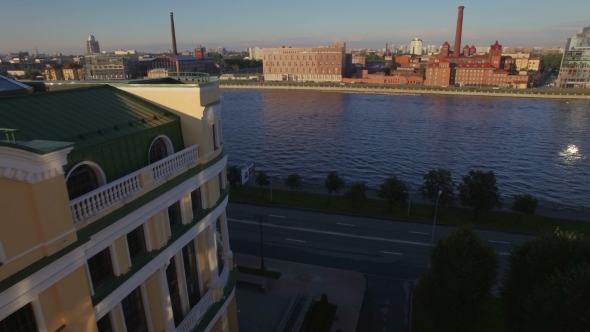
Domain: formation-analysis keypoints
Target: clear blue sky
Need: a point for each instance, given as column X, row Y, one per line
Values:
column 64, row 26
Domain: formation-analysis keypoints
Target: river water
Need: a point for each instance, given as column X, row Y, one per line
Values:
column 536, row 146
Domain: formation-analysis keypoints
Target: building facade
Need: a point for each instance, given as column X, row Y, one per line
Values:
column 255, row 53
column 92, row 46
column 416, row 47
column 575, row 64
column 114, row 211
column 318, row 64
column 109, row 66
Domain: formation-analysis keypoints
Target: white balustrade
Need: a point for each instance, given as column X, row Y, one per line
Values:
column 194, row 316
column 101, row 198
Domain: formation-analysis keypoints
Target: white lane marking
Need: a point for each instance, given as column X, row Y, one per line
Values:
column 419, row 233
column 333, row 233
column 270, row 215
column 345, row 224
column 391, row 253
column 504, row 253
column 295, row 240
column 499, row 242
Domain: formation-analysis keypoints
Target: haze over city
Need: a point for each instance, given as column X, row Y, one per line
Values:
column 237, row 25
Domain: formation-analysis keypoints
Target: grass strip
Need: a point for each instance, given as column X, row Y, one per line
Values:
column 497, row 220
column 259, row 272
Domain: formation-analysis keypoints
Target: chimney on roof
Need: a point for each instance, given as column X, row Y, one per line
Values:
column 174, row 52
column 459, row 32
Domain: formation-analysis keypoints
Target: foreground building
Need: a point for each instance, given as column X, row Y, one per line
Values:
column 575, row 64
column 318, row 64
column 113, row 210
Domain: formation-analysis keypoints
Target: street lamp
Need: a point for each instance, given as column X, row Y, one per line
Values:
column 434, row 221
column 261, row 219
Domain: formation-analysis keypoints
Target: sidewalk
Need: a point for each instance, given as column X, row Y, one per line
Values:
column 345, row 289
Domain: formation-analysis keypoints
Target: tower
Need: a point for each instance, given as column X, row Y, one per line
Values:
column 458, row 32
column 92, row 46
column 174, row 51
column 444, row 49
column 496, row 55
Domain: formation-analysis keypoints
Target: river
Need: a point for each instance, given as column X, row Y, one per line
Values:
column 536, row 146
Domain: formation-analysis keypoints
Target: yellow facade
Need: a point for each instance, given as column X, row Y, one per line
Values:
column 76, row 265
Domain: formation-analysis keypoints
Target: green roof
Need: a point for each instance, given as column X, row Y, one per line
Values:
column 84, row 116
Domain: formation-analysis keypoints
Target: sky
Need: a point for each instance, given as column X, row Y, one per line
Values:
column 64, row 26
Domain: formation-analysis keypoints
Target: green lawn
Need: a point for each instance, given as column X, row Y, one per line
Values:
column 418, row 212
column 491, row 320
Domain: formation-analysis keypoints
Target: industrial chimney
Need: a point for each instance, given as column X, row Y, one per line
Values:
column 174, row 52
column 458, row 33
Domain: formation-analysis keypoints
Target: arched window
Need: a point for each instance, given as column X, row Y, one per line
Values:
column 161, row 148
column 84, row 178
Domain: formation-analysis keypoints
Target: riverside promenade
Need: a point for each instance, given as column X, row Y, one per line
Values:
column 413, row 91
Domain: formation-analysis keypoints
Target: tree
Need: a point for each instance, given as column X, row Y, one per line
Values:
column 435, row 180
column 393, row 190
column 479, row 191
column 293, row 181
column 357, row 192
column 233, row 175
column 334, row 183
column 529, row 268
column 452, row 292
column 31, row 74
column 262, row 180
column 526, row 204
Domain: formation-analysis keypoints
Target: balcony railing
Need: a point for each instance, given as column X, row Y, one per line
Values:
column 101, row 198
column 196, row 314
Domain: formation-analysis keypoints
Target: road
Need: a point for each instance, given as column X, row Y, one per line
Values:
column 391, row 254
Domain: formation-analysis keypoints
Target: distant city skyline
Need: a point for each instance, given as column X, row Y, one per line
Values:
column 235, row 25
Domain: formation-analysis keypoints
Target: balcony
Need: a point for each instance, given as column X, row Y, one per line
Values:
column 198, row 313
column 100, row 199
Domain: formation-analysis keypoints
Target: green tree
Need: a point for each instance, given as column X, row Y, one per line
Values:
column 435, row 180
column 479, row 191
column 262, row 180
column 526, row 204
column 31, row 74
column 529, row 268
column 293, row 181
column 463, row 270
column 233, row 175
column 393, row 190
column 334, row 183
column 357, row 192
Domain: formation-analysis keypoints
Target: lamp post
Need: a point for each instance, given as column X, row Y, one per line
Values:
column 261, row 219
column 434, row 221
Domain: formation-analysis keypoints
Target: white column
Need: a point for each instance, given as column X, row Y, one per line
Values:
column 212, row 255
column 38, row 313
column 227, row 254
column 181, row 279
column 166, row 302
column 146, row 307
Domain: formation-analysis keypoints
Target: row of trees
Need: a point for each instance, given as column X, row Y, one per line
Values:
column 546, row 286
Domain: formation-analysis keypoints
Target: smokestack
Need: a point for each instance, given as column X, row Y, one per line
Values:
column 174, row 52
column 457, row 48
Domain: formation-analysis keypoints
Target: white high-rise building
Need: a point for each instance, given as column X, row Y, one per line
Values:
column 416, row 46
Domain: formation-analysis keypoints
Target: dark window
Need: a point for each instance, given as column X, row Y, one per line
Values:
column 196, row 202
column 100, row 268
column 215, row 146
column 219, row 257
column 133, row 312
column 174, row 216
column 220, row 181
column 191, row 272
column 104, row 324
column 22, row 320
column 174, row 292
column 158, row 150
column 81, row 181
column 136, row 243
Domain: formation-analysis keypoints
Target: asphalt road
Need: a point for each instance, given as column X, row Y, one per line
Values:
column 391, row 254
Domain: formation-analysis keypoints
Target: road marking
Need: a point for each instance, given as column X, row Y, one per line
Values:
column 345, row 224
column 270, row 215
column 333, row 233
column 295, row 240
column 499, row 242
column 419, row 233
column 391, row 253
column 504, row 253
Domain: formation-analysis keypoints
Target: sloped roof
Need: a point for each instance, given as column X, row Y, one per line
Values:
column 85, row 116
column 10, row 87
column 446, row 44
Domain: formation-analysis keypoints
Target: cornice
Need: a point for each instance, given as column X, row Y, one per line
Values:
column 25, row 166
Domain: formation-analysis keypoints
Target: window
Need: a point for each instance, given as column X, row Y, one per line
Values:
column 174, row 292
column 104, row 324
column 196, row 202
column 221, row 187
column 133, row 312
column 80, row 181
column 22, row 320
column 174, row 216
column 214, row 129
column 189, row 258
column 136, row 243
column 100, row 268
column 158, row 150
